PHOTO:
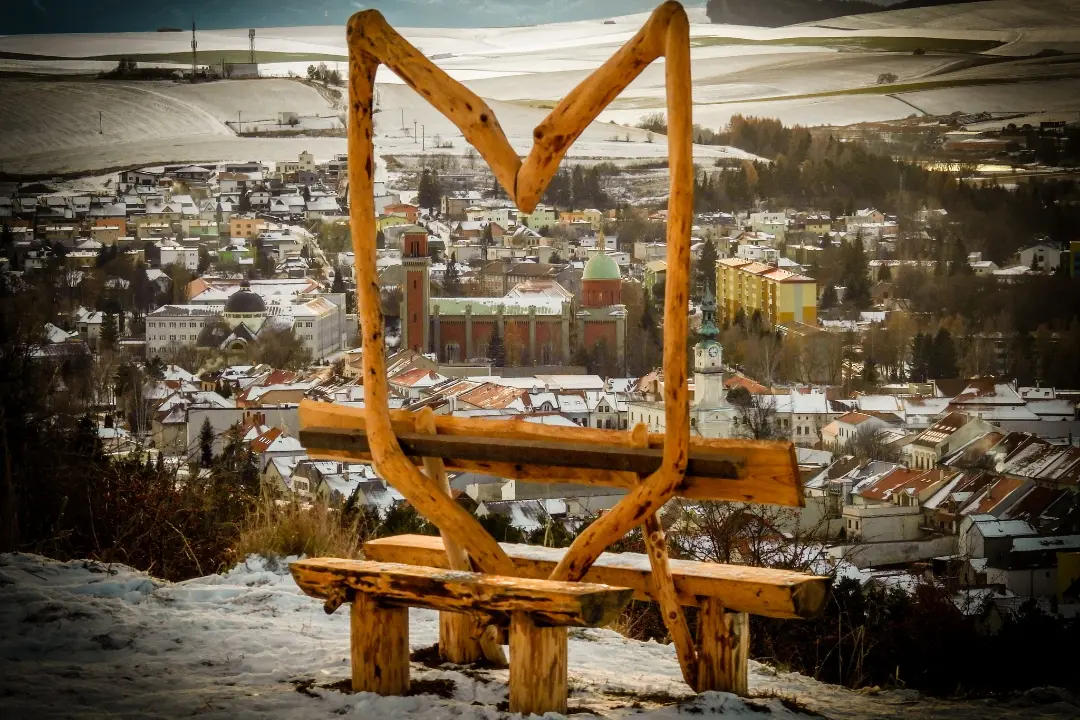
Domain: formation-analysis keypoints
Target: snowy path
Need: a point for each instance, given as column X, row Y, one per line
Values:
column 82, row 640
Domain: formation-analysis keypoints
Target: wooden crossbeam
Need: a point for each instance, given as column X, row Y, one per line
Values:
column 771, row 470
column 754, row 590
column 551, row 603
column 542, row 453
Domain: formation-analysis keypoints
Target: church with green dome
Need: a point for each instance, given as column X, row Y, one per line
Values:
column 602, row 315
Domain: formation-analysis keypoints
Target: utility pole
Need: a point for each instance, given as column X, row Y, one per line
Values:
column 402, row 118
column 100, row 129
column 239, row 124
column 423, row 138
column 413, row 131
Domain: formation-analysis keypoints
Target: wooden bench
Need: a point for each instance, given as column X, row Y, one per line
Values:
column 724, row 594
column 538, row 613
column 413, row 451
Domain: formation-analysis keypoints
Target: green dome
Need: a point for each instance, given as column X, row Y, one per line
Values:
column 601, row 266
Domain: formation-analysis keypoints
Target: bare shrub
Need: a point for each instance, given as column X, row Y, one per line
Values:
column 280, row 528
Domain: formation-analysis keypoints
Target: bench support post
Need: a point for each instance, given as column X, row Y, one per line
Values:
column 537, row 666
column 458, row 638
column 379, row 638
column 723, row 648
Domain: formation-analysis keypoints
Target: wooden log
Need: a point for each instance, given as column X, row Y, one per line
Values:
column 459, row 633
column 662, row 485
column 569, row 118
column 760, row 591
column 379, row 640
column 368, row 32
column 772, row 473
column 537, row 667
column 551, row 603
column 723, row 648
column 390, row 462
column 537, row 453
column 664, row 586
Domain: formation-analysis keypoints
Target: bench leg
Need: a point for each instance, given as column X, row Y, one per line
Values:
column 379, row 637
column 537, row 666
column 458, row 638
column 723, row 648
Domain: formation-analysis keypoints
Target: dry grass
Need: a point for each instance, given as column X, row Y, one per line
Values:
column 280, row 528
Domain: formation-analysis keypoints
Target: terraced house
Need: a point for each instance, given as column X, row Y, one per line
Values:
column 780, row 296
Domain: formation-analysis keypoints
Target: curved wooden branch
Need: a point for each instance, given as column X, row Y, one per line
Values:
column 370, row 34
column 558, row 131
column 390, row 462
column 663, row 585
column 661, row 486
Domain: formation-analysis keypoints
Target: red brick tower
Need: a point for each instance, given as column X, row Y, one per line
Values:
column 415, row 291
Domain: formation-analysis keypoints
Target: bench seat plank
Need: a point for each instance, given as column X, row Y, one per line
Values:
column 551, row 603
column 741, row 588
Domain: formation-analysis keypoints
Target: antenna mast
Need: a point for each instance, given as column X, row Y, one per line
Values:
column 194, row 45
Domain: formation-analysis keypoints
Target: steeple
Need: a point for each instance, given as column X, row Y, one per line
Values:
column 708, row 330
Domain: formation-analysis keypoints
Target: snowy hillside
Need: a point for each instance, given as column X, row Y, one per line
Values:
column 85, row 640
column 1023, row 57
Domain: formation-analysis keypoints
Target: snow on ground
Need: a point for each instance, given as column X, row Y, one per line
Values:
column 84, row 640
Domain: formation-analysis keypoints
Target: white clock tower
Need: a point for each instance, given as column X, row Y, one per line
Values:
column 710, row 414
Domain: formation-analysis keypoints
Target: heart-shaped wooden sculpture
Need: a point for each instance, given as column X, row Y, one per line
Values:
column 666, row 34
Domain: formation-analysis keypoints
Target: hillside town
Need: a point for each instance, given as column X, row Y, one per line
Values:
column 230, row 288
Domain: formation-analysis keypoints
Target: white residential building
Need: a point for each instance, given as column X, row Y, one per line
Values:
column 187, row 257
column 174, row 326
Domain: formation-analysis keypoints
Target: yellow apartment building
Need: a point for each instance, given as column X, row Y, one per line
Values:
column 780, row 296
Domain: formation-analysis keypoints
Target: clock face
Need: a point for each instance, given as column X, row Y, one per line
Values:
column 714, row 351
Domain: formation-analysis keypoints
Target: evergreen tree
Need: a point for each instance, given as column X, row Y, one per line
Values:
column 869, row 370
column 486, row 241
column 339, row 281
column 958, row 263
column 244, row 205
column 429, row 191
column 204, row 259
column 206, row 444
column 142, row 294
column 705, row 269
column 451, row 283
column 828, row 297
column 921, row 350
column 943, row 356
column 884, row 273
column 496, row 350
column 856, row 280
column 109, row 331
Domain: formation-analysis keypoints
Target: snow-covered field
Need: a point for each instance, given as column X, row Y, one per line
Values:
column 84, row 640
column 800, row 74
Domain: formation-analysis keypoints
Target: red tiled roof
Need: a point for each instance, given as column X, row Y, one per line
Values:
column 264, row 441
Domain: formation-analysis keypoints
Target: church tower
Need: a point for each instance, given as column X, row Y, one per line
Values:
column 416, row 290
column 710, row 411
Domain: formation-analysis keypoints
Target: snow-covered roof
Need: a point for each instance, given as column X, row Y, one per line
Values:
column 990, row 526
